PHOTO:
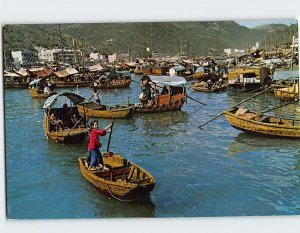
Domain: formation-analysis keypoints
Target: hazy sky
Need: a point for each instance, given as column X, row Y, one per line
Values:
column 258, row 22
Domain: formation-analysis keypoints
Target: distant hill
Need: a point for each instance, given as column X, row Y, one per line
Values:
column 192, row 38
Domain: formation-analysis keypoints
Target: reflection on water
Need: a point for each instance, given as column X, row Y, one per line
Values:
column 216, row 171
column 244, row 142
column 269, row 165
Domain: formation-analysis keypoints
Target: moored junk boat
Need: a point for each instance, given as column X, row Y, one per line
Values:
column 287, row 87
column 16, row 80
column 123, row 180
column 70, row 77
column 167, row 93
column 200, row 73
column 40, row 89
column 209, row 86
column 287, row 93
column 259, row 123
column 248, row 78
column 113, row 80
column 92, row 109
column 76, row 80
column 64, row 124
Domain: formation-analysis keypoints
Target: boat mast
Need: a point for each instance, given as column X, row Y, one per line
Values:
column 291, row 67
column 61, row 43
column 293, row 41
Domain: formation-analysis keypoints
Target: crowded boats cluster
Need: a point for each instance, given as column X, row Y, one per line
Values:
column 163, row 86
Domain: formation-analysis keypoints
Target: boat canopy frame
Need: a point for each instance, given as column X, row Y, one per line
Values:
column 74, row 98
column 174, row 81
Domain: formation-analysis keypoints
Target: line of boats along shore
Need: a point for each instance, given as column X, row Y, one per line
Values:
column 125, row 180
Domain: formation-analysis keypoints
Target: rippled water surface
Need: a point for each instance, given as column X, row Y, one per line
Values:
column 216, row 171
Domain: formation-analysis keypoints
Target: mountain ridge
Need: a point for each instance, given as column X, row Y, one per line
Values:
column 194, row 38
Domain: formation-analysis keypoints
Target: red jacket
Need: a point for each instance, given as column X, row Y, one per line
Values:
column 94, row 139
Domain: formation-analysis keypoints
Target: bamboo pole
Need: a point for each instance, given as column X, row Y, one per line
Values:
column 195, row 100
column 243, row 101
column 109, row 139
column 283, row 105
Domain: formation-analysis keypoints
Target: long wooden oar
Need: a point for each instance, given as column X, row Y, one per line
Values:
column 283, row 105
column 195, row 100
column 243, row 101
column 78, row 121
column 108, row 143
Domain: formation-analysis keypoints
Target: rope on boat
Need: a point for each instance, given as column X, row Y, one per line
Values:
column 119, row 199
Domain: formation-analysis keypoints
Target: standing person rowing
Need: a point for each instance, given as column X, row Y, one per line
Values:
column 95, row 93
column 95, row 160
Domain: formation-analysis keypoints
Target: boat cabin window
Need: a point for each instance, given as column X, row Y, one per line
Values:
column 176, row 90
column 69, row 116
column 164, row 91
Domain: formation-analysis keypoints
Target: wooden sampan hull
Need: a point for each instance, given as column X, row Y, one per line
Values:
column 267, row 129
column 121, row 188
column 108, row 112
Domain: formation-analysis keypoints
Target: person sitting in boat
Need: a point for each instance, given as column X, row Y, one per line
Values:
column 66, row 115
column 50, row 86
column 46, row 90
column 55, row 123
column 143, row 97
column 148, row 92
column 164, row 91
column 74, row 119
column 95, row 160
column 209, row 84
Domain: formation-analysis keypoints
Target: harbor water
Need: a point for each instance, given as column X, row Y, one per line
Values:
column 213, row 171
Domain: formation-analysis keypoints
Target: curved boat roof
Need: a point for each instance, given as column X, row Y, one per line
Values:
column 178, row 68
column 74, row 98
column 34, row 81
column 168, row 80
column 286, row 74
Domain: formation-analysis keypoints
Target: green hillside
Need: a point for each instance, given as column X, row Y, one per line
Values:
column 193, row 38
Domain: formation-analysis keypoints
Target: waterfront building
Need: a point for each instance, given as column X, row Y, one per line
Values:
column 17, row 59
column 23, row 58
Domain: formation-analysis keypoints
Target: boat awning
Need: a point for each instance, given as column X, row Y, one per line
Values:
column 41, row 72
column 272, row 61
column 199, row 69
column 174, row 81
column 124, row 72
column 131, row 64
column 66, row 72
column 286, row 75
column 22, row 72
column 178, row 68
column 34, row 81
column 74, row 98
column 10, row 74
column 94, row 68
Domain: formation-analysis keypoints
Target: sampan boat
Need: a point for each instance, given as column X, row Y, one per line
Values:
column 37, row 87
column 113, row 80
column 169, row 93
column 259, row 123
column 68, row 126
column 92, row 109
column 201, row 86
column 123, row 181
